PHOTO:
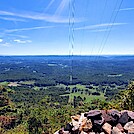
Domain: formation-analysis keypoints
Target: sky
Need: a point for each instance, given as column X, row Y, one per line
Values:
column 64, row 27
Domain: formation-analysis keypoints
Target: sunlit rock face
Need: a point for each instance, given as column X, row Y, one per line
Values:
column 129, row 126
column 100, row 122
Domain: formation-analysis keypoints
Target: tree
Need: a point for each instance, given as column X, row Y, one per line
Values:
column 34, row 125
column 126, row 97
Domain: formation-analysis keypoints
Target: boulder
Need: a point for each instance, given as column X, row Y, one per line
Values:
column 75, row 122
column 114, row 113
column 131, row 115
column 93, row 114
column 76, row 118
column 82, row 132
column 97, row 125
column 75, row 125
column 123, row 119
column 107, row 128
column 116, row 130
column 68, row 127
column 129, row 127
column 99, row 122
column 82, row 119
column 75, row 132
column 108, row 117
column 86, row 125
column 119, row 126
column 61, row 132
column 66, row 132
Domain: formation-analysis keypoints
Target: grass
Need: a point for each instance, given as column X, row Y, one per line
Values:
column 27, row 82
column 36, row 88
column 89, row 98
column 79, row 86
column 4, row 83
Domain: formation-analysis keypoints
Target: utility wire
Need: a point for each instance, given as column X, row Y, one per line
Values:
column 101, row 21
column 83, row 30
column 109, row 28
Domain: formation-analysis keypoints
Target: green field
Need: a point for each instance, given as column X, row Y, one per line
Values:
column 82, row 88
column 88, row 97
column 4, row 83
column 27, row 82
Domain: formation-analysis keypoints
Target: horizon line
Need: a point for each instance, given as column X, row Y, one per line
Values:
column 72, row 55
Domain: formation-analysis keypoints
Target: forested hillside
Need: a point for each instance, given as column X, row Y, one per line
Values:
column 37, row 97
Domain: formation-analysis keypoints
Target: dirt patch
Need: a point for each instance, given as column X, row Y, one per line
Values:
column 13, row 84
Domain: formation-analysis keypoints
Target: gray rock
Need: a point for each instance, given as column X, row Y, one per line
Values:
column 115, row 130
column 108, row 117
column 129, row 127
column 82, row 132
column 119, row 126
column 66, row 132
column 97, row 125
column 86, row 125
column 114, row 113
column 131, row 115
column 68, row 127
column 123, row 119
column 99, row 121
column 93, row 114
column 107, row 128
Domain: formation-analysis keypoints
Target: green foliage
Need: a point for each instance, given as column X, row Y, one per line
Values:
column 45, row 100
column 126, row 98
column 85, row 70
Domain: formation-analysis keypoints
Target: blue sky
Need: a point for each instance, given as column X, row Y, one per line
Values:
column 41, row 27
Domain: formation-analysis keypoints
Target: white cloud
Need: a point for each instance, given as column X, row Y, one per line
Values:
column 40, row 16
column 5, row 44
column 1, row 40
column 126, row 9
column 12, row 19
column 16, row 35
column 90, row 27
column 100, row 30
column 4, row 34
column 22, row 41
column 27, row 29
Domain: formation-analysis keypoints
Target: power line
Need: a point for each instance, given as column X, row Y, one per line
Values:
column 109, row 27
column 83, row 30
column 101, row 21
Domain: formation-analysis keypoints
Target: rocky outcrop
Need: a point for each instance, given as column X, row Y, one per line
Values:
column 100, row 122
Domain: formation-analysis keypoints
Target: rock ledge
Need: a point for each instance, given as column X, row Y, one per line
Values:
column 100, row 122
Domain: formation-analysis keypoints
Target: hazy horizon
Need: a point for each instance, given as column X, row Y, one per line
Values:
column 65, row 55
